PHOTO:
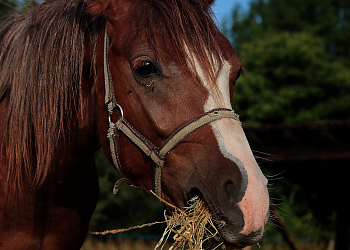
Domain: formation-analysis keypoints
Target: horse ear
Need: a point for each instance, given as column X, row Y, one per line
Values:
column 210, row 2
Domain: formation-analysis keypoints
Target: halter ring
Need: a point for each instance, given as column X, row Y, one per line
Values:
column 120, row 111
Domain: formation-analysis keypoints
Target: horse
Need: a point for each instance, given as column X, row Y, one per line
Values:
column 149, row 81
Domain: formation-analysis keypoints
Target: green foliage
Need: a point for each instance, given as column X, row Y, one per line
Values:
column 7, row 6
column 329, row 20
column 300, row 219
column 297, row 57
column 291, row 79
column 130, row 207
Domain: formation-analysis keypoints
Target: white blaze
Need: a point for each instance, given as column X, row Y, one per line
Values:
column 234, row 145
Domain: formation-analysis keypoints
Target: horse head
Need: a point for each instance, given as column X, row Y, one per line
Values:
column 170, row 66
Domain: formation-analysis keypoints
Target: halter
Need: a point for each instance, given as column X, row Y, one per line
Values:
column 157, row 154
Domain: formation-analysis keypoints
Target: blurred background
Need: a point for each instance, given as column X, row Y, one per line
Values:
column 294, row 101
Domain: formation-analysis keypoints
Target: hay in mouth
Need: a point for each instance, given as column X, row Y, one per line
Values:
column 190, row 226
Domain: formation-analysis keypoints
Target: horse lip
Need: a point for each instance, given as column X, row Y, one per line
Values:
column 220, row 243
column 224, row 238
column 230, row 246
column 243, row 240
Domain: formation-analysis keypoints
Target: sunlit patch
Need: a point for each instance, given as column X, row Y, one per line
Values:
column 209, row 79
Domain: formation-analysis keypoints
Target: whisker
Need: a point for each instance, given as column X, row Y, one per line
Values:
column 256, row 151
column 274, row 226
column 282, row 214
column 272, row 176
column 275, row 179
column 277, row 205
column 273, row 200
column 263, row 158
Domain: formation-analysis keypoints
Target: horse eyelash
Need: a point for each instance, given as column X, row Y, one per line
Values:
column 138, row 64
column 240, row 73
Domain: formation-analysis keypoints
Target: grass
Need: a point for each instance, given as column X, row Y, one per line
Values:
column 93, row 243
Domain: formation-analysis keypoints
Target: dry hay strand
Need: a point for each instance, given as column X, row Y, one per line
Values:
column 190, row 226
column 117, row 231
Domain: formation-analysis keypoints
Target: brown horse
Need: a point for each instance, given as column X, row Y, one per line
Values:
column 156, row 76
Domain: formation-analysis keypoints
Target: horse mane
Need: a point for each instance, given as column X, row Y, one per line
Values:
column 41, row 65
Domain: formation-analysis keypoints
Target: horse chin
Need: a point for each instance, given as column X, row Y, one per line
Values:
column 228, row 240
column 218, row 242
column 239, row 241
column 223, row 245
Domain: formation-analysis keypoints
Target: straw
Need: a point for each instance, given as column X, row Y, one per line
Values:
column 189, row 226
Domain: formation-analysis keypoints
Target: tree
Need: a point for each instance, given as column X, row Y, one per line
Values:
column 297, row 58
column 291, row 79
column 328, row 20
column 6, row 7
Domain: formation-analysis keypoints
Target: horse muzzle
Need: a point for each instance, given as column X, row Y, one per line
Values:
column 239, row 217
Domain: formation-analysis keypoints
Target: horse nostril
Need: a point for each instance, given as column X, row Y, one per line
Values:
column 193, row 193
column 231, row 191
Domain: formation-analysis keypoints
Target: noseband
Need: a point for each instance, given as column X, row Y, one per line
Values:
column 157, row 154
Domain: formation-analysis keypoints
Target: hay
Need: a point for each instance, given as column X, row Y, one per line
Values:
column 189, row 225
column 117, row 231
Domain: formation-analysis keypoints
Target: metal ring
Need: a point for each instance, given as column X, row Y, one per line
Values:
column 121, row 113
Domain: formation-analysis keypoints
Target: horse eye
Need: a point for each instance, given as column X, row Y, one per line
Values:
column 145, row 69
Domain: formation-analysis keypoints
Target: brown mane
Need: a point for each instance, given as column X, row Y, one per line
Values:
column 41, row 67
column 41, row 64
